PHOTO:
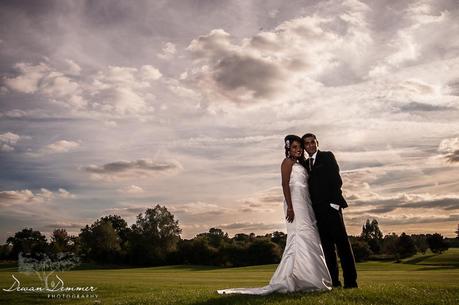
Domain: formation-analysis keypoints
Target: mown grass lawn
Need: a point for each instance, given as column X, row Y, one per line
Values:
column 425, row 279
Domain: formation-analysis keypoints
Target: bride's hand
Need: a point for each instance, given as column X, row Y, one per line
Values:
column 290, row 215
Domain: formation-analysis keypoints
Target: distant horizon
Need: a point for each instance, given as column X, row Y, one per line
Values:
column 48, row 234
column 108, row 107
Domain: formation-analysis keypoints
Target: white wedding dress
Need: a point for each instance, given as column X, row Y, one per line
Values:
column 303, row 266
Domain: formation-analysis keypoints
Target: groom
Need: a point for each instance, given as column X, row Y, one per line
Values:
column 328, row 202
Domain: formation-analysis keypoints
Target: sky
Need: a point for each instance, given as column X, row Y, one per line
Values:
column 112, row 107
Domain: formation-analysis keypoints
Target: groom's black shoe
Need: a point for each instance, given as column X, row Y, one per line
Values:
column 350, row 285
column 336, row 284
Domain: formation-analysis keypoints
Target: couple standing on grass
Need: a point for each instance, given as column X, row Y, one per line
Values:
column 313, row 207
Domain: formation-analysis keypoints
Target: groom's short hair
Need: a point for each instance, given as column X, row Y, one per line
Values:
column 308, row 135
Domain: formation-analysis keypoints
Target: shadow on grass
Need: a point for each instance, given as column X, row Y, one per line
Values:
column 88, row 266
column 189, row 267
column 254, row 299
column 8, row 265
column 91, row 266
column 417, row 260
column 438, row 267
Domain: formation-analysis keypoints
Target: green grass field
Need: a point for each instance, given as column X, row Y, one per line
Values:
column 424, row 279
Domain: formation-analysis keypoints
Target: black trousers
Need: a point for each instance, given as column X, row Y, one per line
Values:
column 333, row 233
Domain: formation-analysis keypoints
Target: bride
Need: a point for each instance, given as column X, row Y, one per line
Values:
column 303, row 266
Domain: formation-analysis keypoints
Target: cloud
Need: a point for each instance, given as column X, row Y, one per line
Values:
column 47, row 81
column 253, row 207
column 259, row 68
column 72, row 67
column 29, row 77
column 8, row 140
column 6, row 148
column 9, row 137
column 23, row 196
column 128, row 211
column 122, row 90
column 386, row 220
column 58, row 147
column 453, row 157
column 61, row 146
column 201, row 209
column 453, row 87
column 26, row 196
column 266, row 201
column 150, row 73
column 335, row 45
column 271, row 197
column 168, row 51
column 113, row 90
column 63, row 193
column 375, row 203
column 184, row 212
column 417, row 39
column 224, row 141
column 339, row 44
column 18, row 114
column 230, row 69
column 121, row 170
column 65, row 225
column 131, row 189
column 450, row 149
column 415, row 106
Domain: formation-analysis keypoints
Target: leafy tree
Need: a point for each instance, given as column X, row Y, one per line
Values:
column 123, row 231
column 5, row 251
column 279, row 238
column 263, row 251
column 203, row 253
column 61, row 241
column 153, row 237
column 216, row 237
column 100, row 242
column 390, row 244
column 27, row 241
column 360, row 248
column 234, row 254
column 372, row 235
column 420, row 240
column 119, row 225
column 197, row 251
column 437, row 243
column 405, row 246
column 241, row 237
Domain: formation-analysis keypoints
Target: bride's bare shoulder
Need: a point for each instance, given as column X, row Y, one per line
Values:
column 287, row 162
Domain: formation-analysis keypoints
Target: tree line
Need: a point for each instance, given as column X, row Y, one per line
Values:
column 371, row 244
column 154, row 239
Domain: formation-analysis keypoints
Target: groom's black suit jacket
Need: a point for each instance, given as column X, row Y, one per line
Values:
column 325, row 188
column 325, row 182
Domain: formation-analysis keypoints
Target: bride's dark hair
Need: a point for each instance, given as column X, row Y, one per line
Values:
column 288, row 140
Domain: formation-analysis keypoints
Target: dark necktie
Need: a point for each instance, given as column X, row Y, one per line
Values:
column 311, row 163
